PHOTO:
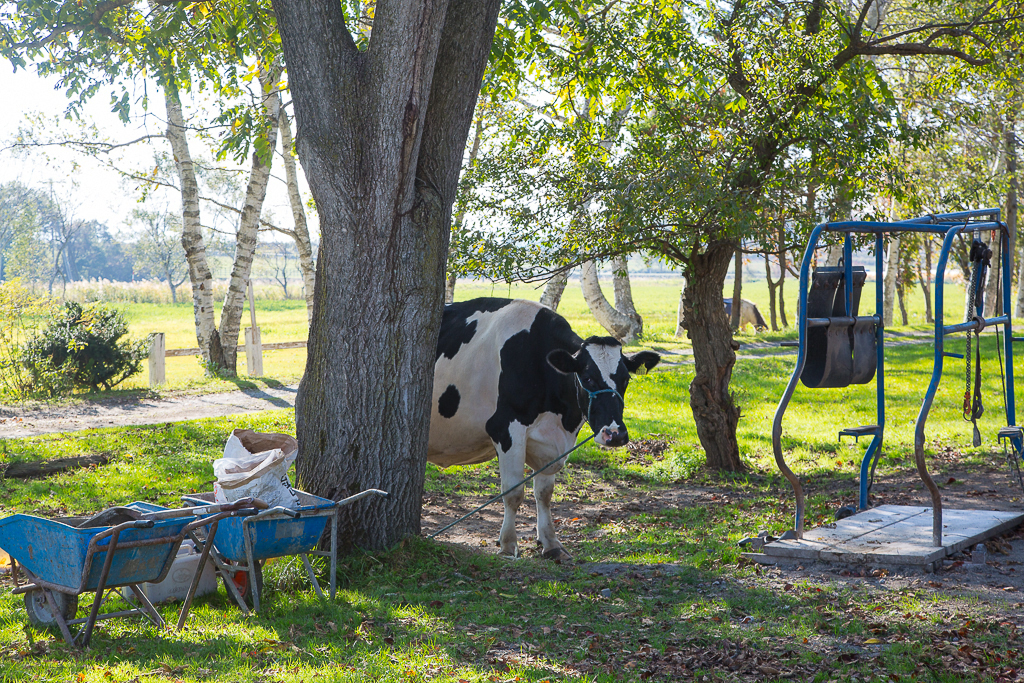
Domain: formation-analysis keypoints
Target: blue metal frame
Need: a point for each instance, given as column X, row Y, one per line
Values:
column 949, row 225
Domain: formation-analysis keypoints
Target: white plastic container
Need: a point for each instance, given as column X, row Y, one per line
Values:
column 175, row 585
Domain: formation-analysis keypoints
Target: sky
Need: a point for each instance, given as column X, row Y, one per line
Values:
column 95, row 192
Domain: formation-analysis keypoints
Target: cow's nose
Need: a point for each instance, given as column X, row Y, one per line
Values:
column 615, row 438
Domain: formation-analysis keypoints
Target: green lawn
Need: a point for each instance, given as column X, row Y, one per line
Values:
column 657, row 300
column 429, row 611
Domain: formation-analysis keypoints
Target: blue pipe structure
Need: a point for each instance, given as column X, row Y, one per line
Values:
column 950, row 226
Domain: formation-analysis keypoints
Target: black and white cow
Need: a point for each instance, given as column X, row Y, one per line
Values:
column 512, row 379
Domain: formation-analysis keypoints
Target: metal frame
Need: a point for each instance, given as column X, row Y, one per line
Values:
column 226, row 567
column 111, row 549
column 949, row 225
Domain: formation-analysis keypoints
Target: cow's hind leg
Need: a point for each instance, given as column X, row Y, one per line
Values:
column 543, row 487
column 510, row 465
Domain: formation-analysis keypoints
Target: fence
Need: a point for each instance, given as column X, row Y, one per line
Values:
column 253, row 348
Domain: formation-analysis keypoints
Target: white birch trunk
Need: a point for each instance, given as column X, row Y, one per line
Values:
column 554, row 288
column 207, row 337
column 460, row 216
column 889, row 290
column 835, row 254
column 680, row 328
column 248, row 225
column 619, row 324
column 301, row 233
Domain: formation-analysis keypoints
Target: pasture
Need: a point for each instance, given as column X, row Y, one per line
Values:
column 658, row 590
column 656, row 298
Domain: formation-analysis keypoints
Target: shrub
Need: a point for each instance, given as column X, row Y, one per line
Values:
column 82, row 347
column 21, row 313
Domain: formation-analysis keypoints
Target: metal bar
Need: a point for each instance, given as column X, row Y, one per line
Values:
column 203, row 556
column 247, row 542
column 933, row 385
column 64, row 630
column 865, row 464
column 801, row 358
column 101, row 586
column 146, row 609
column 1011, row 407
column 134, row 612
column 879, row 369
column 334, row 553
column 312, row 576
column 972, row 325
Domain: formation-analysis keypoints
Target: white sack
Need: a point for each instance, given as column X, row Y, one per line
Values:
column 256, row 465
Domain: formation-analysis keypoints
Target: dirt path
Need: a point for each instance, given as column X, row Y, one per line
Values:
column 120, row 412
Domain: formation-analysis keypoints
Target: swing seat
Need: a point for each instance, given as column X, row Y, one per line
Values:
column 843, row 352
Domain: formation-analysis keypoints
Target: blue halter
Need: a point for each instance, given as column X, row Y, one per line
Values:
column 592, row 394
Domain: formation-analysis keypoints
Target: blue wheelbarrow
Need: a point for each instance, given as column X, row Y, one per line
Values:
column 243, row 544
column 125, row 546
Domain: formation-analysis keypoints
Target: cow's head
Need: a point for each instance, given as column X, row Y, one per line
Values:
column 602, row 375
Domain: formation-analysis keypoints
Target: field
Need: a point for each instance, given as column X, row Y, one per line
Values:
column 656, row 298
column 658, row 590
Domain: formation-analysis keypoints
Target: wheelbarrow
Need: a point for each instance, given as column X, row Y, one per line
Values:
column 62, row 559
column 243, row 544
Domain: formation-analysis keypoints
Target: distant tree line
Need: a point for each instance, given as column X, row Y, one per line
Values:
column 45, row 243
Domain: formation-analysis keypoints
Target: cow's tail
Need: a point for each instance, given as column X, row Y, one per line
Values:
column 761, row 324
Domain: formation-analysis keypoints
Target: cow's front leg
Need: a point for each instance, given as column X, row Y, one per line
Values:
column 543, row 487
column 510, row 465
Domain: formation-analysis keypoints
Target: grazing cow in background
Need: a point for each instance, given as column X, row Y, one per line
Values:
column 749, row 315
column 513, row 380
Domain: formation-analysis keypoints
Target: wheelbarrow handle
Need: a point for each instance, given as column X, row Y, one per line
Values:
column 130, row 524
column 362, row 494
column 210, row 509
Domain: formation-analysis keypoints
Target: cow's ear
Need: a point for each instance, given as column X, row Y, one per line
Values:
column 563, row 361
column 641, row 362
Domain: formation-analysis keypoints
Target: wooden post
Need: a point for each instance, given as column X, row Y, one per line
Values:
column 157, row 352
column 253, row 342
column 254, row 351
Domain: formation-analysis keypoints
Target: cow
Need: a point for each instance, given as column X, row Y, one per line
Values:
column 749, row 315
column 512, row 380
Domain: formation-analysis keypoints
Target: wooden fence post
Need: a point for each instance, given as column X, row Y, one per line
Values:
column 254, row 351
column 253, row 341
column 157, row 351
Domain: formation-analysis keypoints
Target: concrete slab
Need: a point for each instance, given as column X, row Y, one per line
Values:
column 895, row 535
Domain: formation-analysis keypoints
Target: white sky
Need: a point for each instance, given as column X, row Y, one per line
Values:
column 98, row 193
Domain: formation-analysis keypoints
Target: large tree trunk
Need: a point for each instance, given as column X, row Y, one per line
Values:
column 554, row 289
column 714, row 354
column 619, row 323
column 249, row 223
column 207, row 336
column 300, row 234
column 381, row 135
column 737, row 289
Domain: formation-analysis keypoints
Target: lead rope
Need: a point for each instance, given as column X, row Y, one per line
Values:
column 973, row 409
column 563, row 456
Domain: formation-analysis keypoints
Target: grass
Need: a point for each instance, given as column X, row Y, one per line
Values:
column 431, row 611
column 656, row 299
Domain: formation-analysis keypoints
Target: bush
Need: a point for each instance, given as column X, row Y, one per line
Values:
column 82, row 347
column 21, row 313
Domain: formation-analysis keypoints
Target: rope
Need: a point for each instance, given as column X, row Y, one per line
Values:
column 506, row 492
column 973, row 409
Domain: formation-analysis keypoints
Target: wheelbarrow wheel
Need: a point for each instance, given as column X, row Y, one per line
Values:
column 40, row 612
column 242, row 584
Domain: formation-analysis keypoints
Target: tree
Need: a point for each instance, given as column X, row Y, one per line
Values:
column 157, row 251
column 382, row 123
column 736, row 109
